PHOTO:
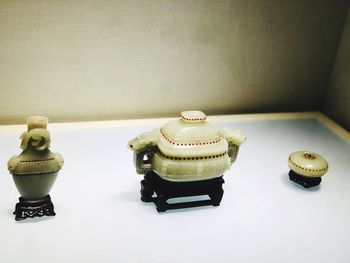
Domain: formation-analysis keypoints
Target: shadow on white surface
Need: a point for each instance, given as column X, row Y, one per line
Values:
column 9, row 212
column 130, row 196
column 33, row 220
column 186, row 210
column 297, row 187
column 134, row 197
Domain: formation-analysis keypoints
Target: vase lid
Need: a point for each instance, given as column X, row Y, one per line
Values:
column 36, row 122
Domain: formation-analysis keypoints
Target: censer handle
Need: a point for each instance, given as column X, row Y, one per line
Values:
column 143, row 161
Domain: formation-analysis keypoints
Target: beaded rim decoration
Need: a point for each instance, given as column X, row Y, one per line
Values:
column 200, row 116
column 35, row 161
column 193, row 157
column 307, row 169
column 33, row 174
column 173, row 142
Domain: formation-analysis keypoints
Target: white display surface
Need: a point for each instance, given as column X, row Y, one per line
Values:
column 263, row 217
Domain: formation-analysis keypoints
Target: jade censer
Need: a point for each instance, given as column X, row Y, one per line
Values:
column 186, row 157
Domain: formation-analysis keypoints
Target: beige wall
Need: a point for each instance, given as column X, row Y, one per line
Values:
column 338, row 96
column 86, row 60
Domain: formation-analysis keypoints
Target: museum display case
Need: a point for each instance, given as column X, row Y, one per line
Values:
column 98, row 204
column 116, row 74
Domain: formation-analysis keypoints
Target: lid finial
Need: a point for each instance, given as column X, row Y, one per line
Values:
column 193, row 116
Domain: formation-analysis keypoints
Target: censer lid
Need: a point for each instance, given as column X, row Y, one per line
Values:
column 191, row 135
column 192, row 127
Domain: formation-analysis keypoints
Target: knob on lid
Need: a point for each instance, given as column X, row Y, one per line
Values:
column 193, row 116
column 37, row 122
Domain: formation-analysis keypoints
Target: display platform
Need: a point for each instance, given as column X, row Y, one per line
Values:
column 263, row 216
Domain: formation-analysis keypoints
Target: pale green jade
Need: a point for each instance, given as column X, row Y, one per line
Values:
column 187, row 149
column 34, row 171
column 308, row 164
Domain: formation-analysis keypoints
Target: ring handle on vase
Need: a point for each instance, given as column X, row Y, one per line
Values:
column 39, row 139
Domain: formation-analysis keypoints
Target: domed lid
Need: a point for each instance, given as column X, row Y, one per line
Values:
column 191, row 135
column 308, row 163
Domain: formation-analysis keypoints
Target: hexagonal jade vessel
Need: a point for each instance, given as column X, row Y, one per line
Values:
column 186, row 149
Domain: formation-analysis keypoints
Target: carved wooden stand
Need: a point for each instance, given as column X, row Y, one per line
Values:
column 34, row 208
column 307, row 182
column 164, row 190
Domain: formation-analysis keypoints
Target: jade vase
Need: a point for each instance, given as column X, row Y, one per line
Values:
column 35, row 169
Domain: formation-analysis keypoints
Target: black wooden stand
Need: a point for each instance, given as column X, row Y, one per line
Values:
column 164, row 190
column 307, row 182
column 34, row 208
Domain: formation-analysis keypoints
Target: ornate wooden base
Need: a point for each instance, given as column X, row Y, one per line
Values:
column 307, row 182
column 164, row 190
column 34, row 208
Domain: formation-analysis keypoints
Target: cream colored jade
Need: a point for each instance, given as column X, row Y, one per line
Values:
column 308, row 164
column 186, row 149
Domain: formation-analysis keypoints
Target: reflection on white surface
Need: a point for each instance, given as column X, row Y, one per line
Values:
column 186, row 199
column 263, row 216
